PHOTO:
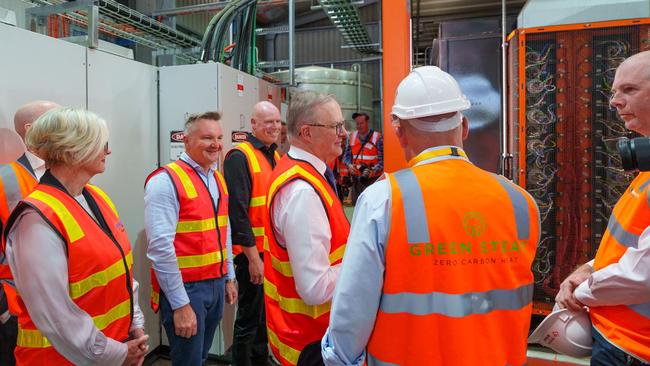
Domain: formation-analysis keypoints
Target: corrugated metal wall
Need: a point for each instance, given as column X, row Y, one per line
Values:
column 322, row 46
column 194, row 22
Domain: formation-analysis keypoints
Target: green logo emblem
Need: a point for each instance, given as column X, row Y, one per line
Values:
column 474, row 224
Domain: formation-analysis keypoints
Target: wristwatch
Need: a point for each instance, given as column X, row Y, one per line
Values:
column 234, row 280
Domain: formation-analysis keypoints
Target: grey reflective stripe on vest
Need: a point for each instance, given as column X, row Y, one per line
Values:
column 457, row 305
column 640, row 190
column 417, row 228
column 373, row 361
column 520, row 207
column 643, row 185
column 641, row 309
column 621, row 235
column 11, row 186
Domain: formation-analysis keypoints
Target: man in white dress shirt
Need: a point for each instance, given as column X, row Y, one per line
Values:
column 616, row 284
column 19, row 176
column 307, row 228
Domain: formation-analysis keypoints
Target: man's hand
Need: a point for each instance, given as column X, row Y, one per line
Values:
column 565, row 298
column 185, row 321
column 136, row 350
column 256, row 268
column 231, row 292
column 353, row 170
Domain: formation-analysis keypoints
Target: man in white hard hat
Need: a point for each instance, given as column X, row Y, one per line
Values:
column 437, row 270
column 616, row 284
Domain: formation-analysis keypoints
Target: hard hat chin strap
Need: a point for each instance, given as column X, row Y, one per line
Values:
column 440, row 126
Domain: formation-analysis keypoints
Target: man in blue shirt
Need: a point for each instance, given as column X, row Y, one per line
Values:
column 190, row 311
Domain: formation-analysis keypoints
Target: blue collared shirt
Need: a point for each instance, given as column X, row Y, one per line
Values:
column 359, row 288
column 161, row 208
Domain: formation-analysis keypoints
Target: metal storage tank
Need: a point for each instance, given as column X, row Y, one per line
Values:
column 349, row 87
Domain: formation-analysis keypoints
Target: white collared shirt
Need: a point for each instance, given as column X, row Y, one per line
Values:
column 38, row 164
column 301, row 225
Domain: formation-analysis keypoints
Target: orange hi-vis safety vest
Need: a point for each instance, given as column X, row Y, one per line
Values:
column 292, row 324
column 367, row 154
column 200, row 241
column 17, row 180
column 260, row 172
column 625, row 326
column 99, row 268
column 458, row 284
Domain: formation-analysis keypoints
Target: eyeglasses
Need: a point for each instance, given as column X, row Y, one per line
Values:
column 106, row 148
column 338, row 127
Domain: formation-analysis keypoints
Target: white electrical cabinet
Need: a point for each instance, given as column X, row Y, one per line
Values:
column 190, row 89
column 36, row 67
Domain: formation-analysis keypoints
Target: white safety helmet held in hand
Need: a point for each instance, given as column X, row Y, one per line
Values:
column 566, row 332
column 428, row 91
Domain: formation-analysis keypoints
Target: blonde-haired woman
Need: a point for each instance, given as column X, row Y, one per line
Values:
column 70, row 254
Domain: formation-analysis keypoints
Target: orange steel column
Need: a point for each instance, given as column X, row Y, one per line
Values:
column 396, row 58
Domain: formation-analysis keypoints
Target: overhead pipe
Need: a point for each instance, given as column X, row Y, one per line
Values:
column 357, row 68
column 506, row 155
column 292, row 34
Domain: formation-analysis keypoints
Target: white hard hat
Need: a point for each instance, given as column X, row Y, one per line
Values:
column 428, row 91
column 566, row 332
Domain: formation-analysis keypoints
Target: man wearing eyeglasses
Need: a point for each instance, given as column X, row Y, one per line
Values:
column 364, row 155
column 616, row 284
column 306, row 228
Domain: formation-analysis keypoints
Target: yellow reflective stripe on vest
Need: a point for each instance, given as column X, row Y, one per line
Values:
column 250, row 154
column 116, row 313
column 105, row 197
column 191, row 261
column 294, row 305
column 296, row 169
column 258, row 231
column 436, row 153
column 189, row 188
column 288, row 353
column 257, row 201
column 155, row 296
column 72, row 228
column 199, row 226
column 222, row 182
column 33, row 338
column 101, row 278
column 285, row 267
column 337, row 254
column 282, row 267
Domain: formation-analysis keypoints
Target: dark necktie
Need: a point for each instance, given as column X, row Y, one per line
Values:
column 329, row 175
